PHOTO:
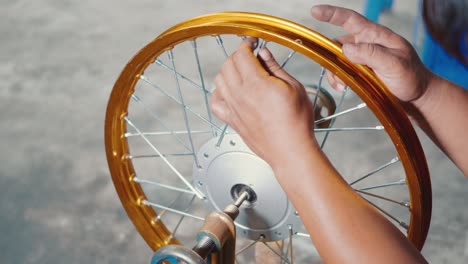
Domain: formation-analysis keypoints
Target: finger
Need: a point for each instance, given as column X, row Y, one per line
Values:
column 335, row 82
column 218, row 104
column 272, row 66
column 346, row 39
column 350, row 20
column 355, row 24
column 379, row 58
column 230, row 74
column 246, row 62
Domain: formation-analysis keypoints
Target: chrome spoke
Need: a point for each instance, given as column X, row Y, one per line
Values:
column 332, row 122
column 402, row 203
column 184, row 110
column 159, row 206
column 285, row 259
column 146, row 80
column 400, row 182
column 161, row 214
column 180, row 75
column 302, row 234
column 393, row 161
column 290, row 55
column 182, row 218
column 199, row 195
column 202, row 81
column 348, row 129
column 401, row 223
column 319, row 88
column 165, row 133
column 219, row 40
column 132, row 157
column 240, row 251
column 359, row 106
column 290, row 244
column 165, row 186
column 221, row 136
column 140, row 102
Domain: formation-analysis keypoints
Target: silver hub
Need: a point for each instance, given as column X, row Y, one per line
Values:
column 232, row 168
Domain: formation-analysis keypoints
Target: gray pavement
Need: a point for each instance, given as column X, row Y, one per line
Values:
column 58, row 63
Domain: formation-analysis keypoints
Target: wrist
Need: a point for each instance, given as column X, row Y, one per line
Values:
column 415, row 107
column 295, row 155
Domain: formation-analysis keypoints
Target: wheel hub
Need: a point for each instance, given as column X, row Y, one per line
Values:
column 229, row 169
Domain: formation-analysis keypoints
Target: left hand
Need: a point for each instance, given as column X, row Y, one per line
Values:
column 267, row 107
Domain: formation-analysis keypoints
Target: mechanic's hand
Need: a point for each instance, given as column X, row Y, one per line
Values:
column 267, row 107
column 391, row 56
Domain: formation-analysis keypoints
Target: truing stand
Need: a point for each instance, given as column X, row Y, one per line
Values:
column 216, row 239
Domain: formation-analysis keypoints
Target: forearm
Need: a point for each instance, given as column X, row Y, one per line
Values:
column 344, row 227
column 442, row 112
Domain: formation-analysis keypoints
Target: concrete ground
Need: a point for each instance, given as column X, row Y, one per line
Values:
column 58, row 63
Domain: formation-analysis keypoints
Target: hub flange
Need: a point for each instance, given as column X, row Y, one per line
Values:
column 226, row 170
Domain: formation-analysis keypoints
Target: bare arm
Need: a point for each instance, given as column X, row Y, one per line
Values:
column 276, row 121
column 439, row 107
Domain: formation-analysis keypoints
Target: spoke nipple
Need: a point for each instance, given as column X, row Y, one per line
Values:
column 380, row 127
column 362, row 105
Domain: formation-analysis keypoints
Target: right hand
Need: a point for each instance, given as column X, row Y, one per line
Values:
column 392, row 57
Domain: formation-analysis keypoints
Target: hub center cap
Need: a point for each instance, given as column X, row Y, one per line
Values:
column 231, row 168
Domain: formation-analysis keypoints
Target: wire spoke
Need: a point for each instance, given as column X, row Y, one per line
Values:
column 290, row 245
column 240, row 251
column 360, row 106
column 400, row 182
column 299, row 234
column 152, row 114
column 146, row 80
column 319, row 88
column 221, row 137
column 189, row 206
column 290, row 55
column 184, row 110
column 165, row 133
column 285, row 259
column 172, row 210
column 165, row 186
column 202, row 81
column 332, row 122
column 158, row 156
column 199, row 195
column 402, row 203
column 219, row 40
column 180, row 75
column 393, row 161
column 348, row 129
column 401, row 223
column 161, row 214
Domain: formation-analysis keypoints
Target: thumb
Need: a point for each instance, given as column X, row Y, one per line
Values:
column 272, row 66
column 375, row 56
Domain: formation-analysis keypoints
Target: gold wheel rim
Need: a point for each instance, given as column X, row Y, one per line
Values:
column 324, row 51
